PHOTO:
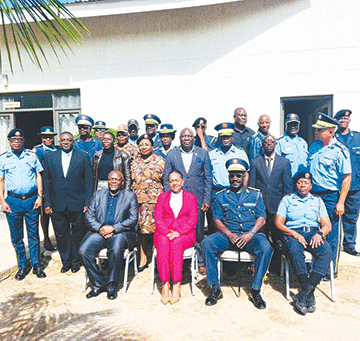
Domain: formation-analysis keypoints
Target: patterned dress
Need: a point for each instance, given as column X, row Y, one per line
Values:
column 129, row 149
column 147, row 176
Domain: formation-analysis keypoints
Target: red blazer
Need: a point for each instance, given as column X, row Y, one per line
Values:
column 185, row 221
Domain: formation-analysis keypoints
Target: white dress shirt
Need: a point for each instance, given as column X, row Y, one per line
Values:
column 65, row 161
column 176, row 202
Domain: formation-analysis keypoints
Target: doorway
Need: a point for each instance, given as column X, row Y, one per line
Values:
column 307, row 108
column 31, row 123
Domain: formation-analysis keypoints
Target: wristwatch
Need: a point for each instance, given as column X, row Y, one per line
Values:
column 321, row 234
column 40, row 195
column 252, row 232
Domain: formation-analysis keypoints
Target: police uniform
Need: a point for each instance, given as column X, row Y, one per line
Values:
column 91, row 146
column 328, row 164
column 293, row 148
column 238, row 212
column 352, row 203
column 255, row 147
column 153, row 119
column 302, row 215
column 165, row 128
column 210, row 141
column 133, row 122
column 19, row 173
column 41, row 150
column 242, row 138
column 218, row 158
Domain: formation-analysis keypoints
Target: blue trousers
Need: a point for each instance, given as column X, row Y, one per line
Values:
column 352, row 207
column 330, row 200
column 322, row 255
column 217, row 243
column 21, row 209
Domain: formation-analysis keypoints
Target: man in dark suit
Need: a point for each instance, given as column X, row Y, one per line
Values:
column 68, row 186
column 112, row 218
column 271, row 174
column 194, row 164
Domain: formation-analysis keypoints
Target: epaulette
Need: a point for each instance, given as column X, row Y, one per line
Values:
column 222, row 190
column 254, row 189
column 3, row 153
column 343, row 148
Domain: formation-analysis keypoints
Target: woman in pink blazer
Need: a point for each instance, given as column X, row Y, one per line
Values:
column 175, row 215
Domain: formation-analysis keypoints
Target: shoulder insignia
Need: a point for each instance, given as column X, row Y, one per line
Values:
column 254, row 189
column 222, row 190
column 3, row 153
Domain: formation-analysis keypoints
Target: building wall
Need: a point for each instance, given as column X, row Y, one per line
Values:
column 206, row 61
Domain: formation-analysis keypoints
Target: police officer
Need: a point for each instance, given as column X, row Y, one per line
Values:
column 291, row 146
column 223, row 152
column 242, row 133
column 303, row 219
column 133, row 129
column 167, row 135
column 47, row 146
column 329, row 164
column 20, row 175
column 239, row 214
column 203, row 140
column 255, row 147
column 86, row 143
column 100, row 129
column 350, row 139
column 151, row 125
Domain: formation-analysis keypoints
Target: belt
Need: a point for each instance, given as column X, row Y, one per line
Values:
column 306, row 228
column 22, row 197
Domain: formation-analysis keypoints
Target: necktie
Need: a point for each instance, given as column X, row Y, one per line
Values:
column 269, row 165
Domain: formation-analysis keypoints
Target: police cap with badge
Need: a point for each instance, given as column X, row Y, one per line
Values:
column 133, row 122
column 167, row 128
column 225, row 129
column 100, row 125
column 83, row 120
column 303, row 175
column 236, row 165
column 292, row 117
column 324, row 122
column 342, row 113
column 17, row 132
column 46, row 131
column 199, row 121
column 152, row 119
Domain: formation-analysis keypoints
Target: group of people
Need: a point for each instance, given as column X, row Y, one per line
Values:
column 264, row 195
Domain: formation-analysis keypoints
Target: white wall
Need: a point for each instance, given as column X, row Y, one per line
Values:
column 206, row 61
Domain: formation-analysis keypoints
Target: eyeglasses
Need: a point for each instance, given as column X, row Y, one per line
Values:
column 201, row 126
column 44, row 137
column 16, row 139
column 101, row 129
column 83, row 127
column 121, row 133
column 236, row 175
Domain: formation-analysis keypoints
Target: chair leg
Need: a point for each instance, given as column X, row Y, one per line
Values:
column 126, row 272
column 153, row 272
column 287, row 278
column 219, row 269
column 282, row 271
column 85, row 281
column 332, row 281
column 193, row 274
column 135, row 263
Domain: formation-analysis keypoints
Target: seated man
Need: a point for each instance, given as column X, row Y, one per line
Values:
column 112, row 217
column 239, row 214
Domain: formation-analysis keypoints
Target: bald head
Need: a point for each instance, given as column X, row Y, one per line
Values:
column 240, row 116
column 115, row 181
column 186, row 139
column 264, row 124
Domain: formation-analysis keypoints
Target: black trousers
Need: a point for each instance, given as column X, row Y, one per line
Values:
column 69, row 230
column 93, row 243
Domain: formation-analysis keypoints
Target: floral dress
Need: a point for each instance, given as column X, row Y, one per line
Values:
column 147, row 176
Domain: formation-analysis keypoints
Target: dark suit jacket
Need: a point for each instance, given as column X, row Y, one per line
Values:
column 274, row 187
column 74, row 191
column 198, row 180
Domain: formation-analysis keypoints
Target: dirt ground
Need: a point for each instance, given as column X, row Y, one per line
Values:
column 55, row 308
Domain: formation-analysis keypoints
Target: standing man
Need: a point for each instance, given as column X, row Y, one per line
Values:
column 112, row 217
column 100, row 129
column 86, row 143
column 291, row 146
column 123, row 142
column 167, row 135
column 271, row 174
column 350, row 139
column 133, row 128
column 20, row 175
column 47, row 146
column 330, row 166
column 223, row 152
column 68, row 186
column 203, row 140
column 255, row 147
column 242, row 133
column 239, row 214
column 194, row 164
column 151, row 125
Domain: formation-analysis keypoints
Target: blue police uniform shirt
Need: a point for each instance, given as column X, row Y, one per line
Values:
column 41, row 151
column 302, row 211
column 20, row 172
column 89, row 147
column 157, row 141
column 218, row 159
column 238, row 211
column 211, row 142
column 255, row 145
column 328, row 164
column 352, row 142
column 242, row 138
column 161, row 151
column 295, row 149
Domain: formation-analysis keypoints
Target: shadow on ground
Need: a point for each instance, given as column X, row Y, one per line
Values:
column 26, row 317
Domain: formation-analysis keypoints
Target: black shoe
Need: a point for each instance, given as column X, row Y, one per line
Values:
column 302, row 298
column 64, row 269
column 111, row 292
column 327, row 277
column 215, row 295
column 21, row 274
column 75, row 268
column 95, row 291
column 257, row 299
column 352, row 252
column 38, row 272
column 48, row 246
column 142, row 268
column 310, row 303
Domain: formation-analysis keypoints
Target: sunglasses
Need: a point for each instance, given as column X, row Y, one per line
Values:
column 236, row 175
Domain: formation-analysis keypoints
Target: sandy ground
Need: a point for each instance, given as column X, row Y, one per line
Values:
column 55, row 308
